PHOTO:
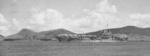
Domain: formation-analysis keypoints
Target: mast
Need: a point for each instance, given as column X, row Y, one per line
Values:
column 106, row 30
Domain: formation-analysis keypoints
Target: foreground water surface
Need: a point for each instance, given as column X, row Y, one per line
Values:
column 54, row 48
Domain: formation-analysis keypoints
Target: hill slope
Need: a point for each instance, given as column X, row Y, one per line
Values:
column 53, row 33
column 1, row 37
column 22, row 34
column 29, row 34
column 126, row 30
column 26, row 32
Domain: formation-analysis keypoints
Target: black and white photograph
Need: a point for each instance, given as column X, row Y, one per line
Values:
column 74, row 27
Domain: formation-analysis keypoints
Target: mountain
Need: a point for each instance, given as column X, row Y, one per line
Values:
column 14, row 36
column 26, row 32
column 29, row 34
column 1, row 37
column 22, row 34
column 126, row 30
column 52, row 33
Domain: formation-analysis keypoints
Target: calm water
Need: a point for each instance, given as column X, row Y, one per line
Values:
column 54, row 48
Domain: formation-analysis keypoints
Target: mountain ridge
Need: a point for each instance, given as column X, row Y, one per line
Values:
column 49, row 34
column 125, row 30
column 53, row 33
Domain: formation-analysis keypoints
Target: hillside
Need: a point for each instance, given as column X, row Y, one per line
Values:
column 14, row 36
column 29, row 34
column 26, row 32
column 126, row 30
column 22, row 34
column 53, row 33
column 1, row 37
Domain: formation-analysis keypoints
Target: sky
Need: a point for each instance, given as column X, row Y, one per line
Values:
column 79, row 16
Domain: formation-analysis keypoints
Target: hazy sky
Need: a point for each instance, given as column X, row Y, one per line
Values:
column 79, row 16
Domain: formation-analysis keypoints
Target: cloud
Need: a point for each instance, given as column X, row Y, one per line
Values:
column 46, row 19
column 2, row 19
column 52, row 19
column 140, row 20
column 139, row 16
column 100, row 17
column 4, row 25
column 13, row 1
column 105, row 13
column 95, row 19
column 18, row 25
column 105, row 7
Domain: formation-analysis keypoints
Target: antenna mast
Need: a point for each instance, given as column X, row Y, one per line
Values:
column 107, row 26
